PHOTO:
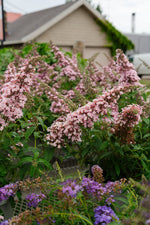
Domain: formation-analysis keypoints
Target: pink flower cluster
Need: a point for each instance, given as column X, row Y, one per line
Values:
column 130, row 116
column 84, row 116
column 58, row 105
column 127, row 119
column 119, row 71
column 69, row 66
column 18, row 81
column 128, row 75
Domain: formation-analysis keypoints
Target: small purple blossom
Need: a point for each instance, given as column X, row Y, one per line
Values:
column 33, row 199
column 147, row 222
column 104, row 215
column 93, row 188
column 71, row 188
column 110, row 199
column 7, row 191
column 4, row 222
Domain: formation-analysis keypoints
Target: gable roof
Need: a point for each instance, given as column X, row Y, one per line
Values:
column 33, row 24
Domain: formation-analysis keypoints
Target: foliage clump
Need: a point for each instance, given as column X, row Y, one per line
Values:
column 52, row 100
column 114, row 36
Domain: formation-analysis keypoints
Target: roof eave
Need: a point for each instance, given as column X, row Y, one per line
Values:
column 13, row 42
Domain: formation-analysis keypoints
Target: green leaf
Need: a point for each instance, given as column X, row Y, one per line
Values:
column 36, row 155
column 29, row 132
column 105, row 154
column 117, row 169
column 81, row 217
column 45, row 162
column 42, row 123
column 37, row 134
column 122, row 199
column 146, row 120
column 26, row 160
column 146, row 135
column 48, row 154
column 104, row 145
column 33, row 149
column 24, row 125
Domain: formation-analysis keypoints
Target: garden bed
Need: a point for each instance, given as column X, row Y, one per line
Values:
column 58, row 107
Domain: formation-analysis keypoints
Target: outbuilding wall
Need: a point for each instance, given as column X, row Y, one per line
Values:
column 79, row 26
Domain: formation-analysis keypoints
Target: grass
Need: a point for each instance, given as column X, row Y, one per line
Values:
column 146, row 82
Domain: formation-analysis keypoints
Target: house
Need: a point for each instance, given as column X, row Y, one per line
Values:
column 74, row 26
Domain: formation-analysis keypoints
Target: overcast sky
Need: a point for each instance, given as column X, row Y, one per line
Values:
column 118, row 12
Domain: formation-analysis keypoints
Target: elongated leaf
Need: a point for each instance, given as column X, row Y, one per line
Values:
column 29, row 132
column 46, row 163
column 24, row 125
column 81, row 217
column 146, row 120
column 26, row 160
column 117, row 169
column 122, row 199
column 48, row 154
column 42, row 123
column 146, row 135
column 32, row 149
column 36, row 155
column 105, row 154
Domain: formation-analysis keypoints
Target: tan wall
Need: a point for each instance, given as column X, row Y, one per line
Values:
column 78, row 26
column 101, row 57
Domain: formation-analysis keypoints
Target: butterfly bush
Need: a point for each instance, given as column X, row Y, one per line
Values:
column 69, row 65
column 71, row 188
column 8, row 191
column 118, row 78
column 31, row 75
column 97, row 173
column 18, row 81
column 33, row 199
column 91, row 189
column 23, row 77
column 89, row 198
column 86, row 116
column 127, row 119
column 104, row 215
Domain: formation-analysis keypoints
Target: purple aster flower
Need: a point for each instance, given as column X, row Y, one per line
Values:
column 104, row 215
column 71, row 189
column 7, row 191
column 4, row 222
column 93, row 188
column 147, row 222
column 110, row 199
column 33, row 199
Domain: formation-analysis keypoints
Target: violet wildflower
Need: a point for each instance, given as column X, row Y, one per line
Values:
column 4, row 222
column 71, row 189
column 104, row 215
column 7, row 191
column 110, row 199
column 33, row 199
column 93, row 188
column 147, row 222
